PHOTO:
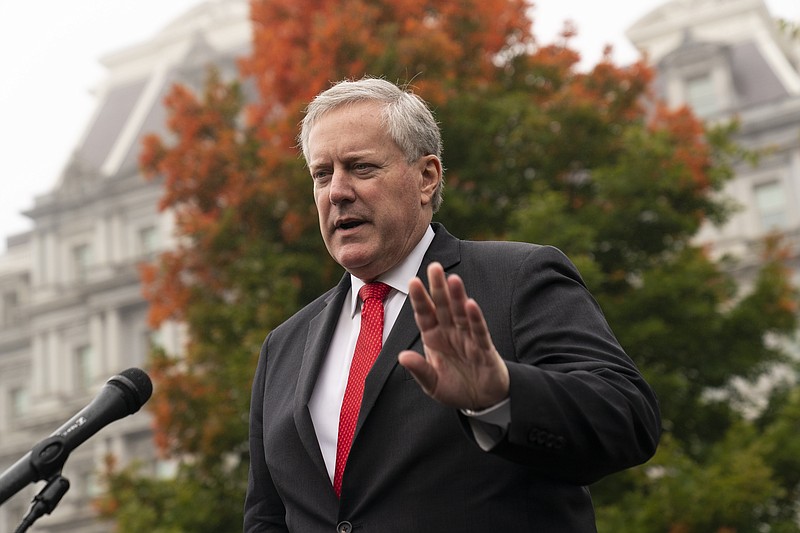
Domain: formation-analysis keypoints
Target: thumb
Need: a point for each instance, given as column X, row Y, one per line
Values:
column 419, row 367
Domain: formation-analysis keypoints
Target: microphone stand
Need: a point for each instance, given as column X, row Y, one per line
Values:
column 45, row 502
column 45, row 461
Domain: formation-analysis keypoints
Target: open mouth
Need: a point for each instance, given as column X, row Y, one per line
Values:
column 350, row 224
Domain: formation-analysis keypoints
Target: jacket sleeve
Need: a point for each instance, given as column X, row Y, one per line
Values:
column 263, row 509
column 580, row 409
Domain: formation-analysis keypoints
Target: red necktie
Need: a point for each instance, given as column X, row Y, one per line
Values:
column 368, row 345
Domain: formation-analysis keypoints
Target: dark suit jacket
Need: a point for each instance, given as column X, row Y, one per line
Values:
column 579, row 411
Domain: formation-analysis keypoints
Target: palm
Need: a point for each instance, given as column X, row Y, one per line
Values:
column 461, row 367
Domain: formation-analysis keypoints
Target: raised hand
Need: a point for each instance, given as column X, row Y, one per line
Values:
column 461, row 367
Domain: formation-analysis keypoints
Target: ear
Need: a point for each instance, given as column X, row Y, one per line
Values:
column 431, row 172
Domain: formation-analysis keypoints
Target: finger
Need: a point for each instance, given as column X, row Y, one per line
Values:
column 458, row 301
column 478, row 326
column 419, row 367
column 424, row 310
column 440, row 294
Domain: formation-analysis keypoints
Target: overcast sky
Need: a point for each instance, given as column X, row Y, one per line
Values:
column 50, row 51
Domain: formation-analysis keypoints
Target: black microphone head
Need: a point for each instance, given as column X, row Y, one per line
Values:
column 136, row 385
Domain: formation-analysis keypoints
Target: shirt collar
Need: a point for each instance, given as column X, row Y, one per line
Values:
column 399, row 276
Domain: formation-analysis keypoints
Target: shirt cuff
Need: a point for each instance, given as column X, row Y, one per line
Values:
column 489, row 426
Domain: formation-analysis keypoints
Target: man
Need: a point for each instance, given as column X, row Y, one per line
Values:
column 499, row 391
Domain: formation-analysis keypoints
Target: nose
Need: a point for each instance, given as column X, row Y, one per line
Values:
column 341, row 187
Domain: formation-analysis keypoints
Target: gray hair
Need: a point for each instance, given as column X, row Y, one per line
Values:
column 409, row 120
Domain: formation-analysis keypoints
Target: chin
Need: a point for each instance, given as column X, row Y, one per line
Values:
column 352, row 262
column 363, row 271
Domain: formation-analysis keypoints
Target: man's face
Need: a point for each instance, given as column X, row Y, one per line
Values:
column 373, row 205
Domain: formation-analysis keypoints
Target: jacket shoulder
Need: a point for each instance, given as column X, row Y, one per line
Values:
column 307, row 312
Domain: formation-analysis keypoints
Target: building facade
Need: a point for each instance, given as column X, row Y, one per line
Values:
column 731, row 60
column 72, row 313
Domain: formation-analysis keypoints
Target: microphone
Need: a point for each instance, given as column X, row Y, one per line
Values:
column 122, row 395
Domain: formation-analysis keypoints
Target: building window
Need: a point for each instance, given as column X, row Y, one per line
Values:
column 770, row 205
column 8, row 313
column 88, row 484
column 81, row 258
column 700, row 95
column 153, row 339
column 19, row 402
column 82, row 365
column 149, row 340
column 166, row 469
column 148, row 240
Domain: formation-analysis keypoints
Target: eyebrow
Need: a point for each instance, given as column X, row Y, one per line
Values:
column 347, row 157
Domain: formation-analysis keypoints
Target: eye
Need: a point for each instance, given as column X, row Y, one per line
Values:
column 321, row 174
column 362, row 168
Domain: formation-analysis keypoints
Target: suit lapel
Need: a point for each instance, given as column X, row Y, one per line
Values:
column 445, row 249
column 320, row 332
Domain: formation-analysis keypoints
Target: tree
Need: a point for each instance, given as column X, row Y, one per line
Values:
column 537, row 151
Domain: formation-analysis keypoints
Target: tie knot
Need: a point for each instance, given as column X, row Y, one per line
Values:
column 374, row 290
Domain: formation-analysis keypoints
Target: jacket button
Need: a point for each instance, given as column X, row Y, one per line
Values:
column 344, row 527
